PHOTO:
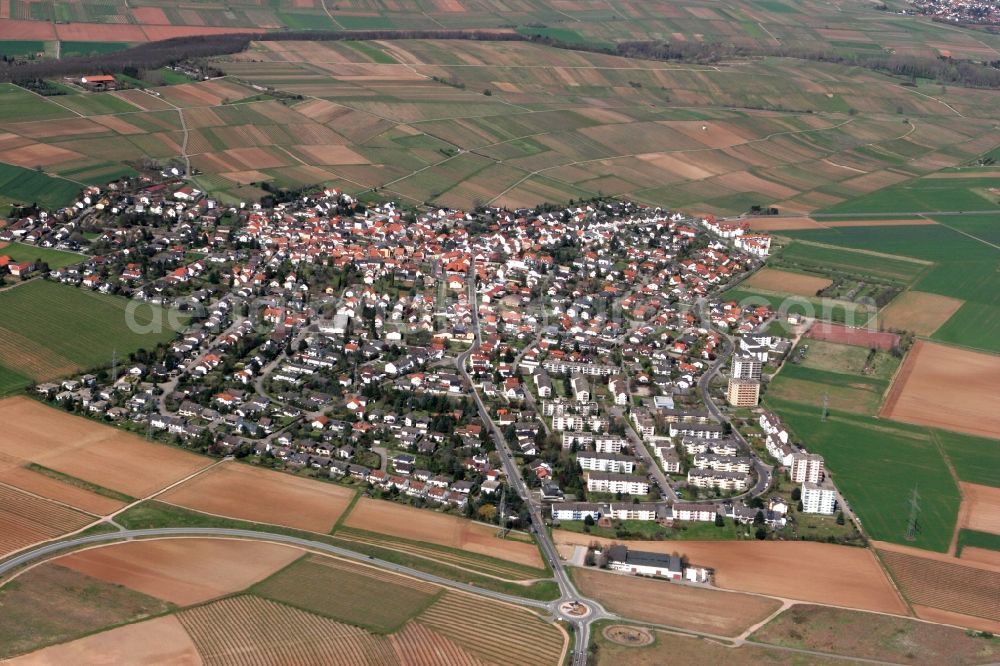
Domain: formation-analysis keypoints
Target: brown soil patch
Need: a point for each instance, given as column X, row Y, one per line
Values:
column 846, row 335
column 119, row 124
column 183, row 571
column 626, row 635
column 150, row 15
column 947, row 387
column 772, row 279
column 263, row 495
column 955, row 619
column 803, row 570
column 657, row 601
column 100, row 454
column 883, row 546
column 99, row 32
column 40, row 30
column 983, row 512
column 423, row 525
column 162, row 641
column 53, row 489
column 918, row 311
column 330, row 154
column 976, row 555
column 783, row 223
column 38, row 154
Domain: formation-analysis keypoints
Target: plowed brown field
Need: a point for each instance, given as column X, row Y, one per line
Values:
column 100, row 454
column 263, row 495
column 947, row 387
column 183, row 571
column 151, row 643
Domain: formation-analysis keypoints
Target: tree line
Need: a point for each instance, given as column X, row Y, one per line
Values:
column 153, row 55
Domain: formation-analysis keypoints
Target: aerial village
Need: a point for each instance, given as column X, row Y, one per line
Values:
column 352, row 343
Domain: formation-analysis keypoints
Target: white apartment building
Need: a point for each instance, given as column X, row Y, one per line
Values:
column 709, row 478
column 806, row 467
column 609, row 482
column 747, row 367
column 722, row 463
column 606, row 462
column 694, row 512
column 818, row 499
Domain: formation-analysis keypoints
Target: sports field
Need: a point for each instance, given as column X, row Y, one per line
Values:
column 50, row 329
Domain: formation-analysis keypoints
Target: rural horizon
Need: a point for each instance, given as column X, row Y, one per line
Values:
column 458, row 331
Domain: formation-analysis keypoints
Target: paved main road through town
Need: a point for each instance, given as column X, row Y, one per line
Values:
column 569, row 593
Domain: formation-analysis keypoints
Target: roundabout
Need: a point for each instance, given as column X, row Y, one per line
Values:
column 627, row 635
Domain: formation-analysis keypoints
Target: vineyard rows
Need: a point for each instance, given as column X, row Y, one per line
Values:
column 250, row 631
column 951, row 587
column 416, row 645
column 513, row 635
column 26, row 519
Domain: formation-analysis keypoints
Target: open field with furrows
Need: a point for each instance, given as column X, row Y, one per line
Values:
column 919, row 312
column 25, row 520
column 658, row 601
column 183, row 571
column 963, row 255
column 450, row 531
column 100, row 455
column 50, row 604
column 947, row 387
column 948, row 585
column 49, row 329
column 880, row 637
column 770, row 279
column 980, row 509
column 808, row 571
column 556, row 126
column 310, row 583
column 263, row 495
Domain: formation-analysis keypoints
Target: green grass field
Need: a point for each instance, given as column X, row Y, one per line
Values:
column 806, row 255
column 12, row 48
column 923, row 196
column 50, row 329
column 26, row 186
column 18, row 104
column 54, row 258
column 847, row 392
column 826, row 309
column 876, row 465
column 12, row 382
column 73, row 49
